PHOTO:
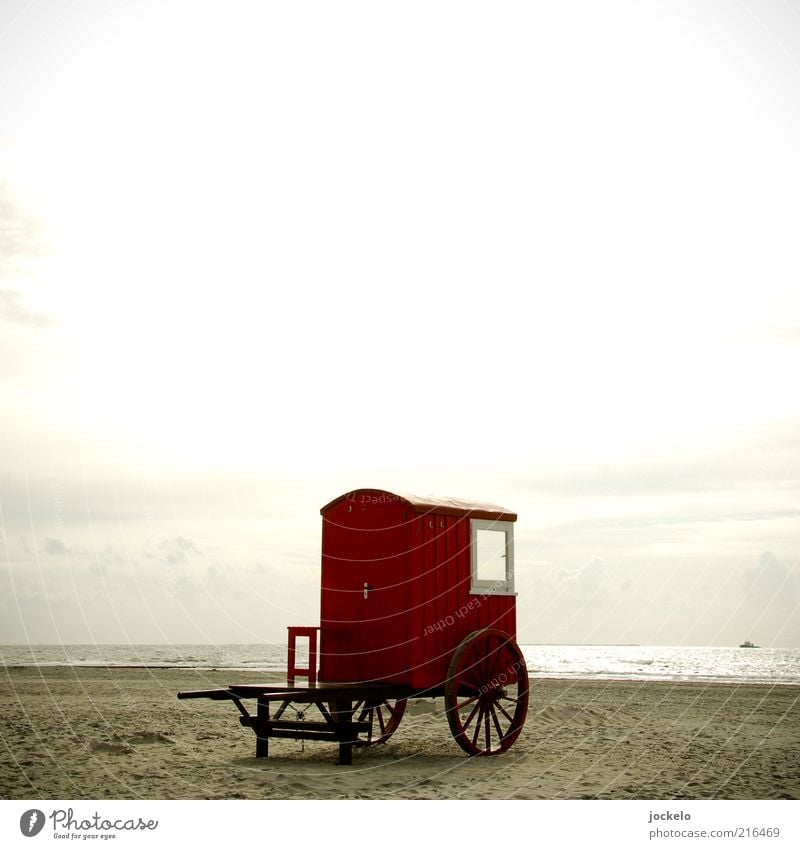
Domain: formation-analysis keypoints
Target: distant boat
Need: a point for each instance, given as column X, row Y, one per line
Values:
column 748, row 645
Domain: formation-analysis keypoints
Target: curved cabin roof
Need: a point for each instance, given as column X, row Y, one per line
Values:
column 439, row 505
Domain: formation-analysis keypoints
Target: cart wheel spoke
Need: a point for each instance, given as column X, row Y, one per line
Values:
column 472, row 675
column 478, row 725
column 478, row 707
column 494, row 663
column 499, row 730
column 397, row 709
column 369, row 716
column 462, row 705
column 383, row 718
column 505, row 713
column 379, row 712
column 486, row 693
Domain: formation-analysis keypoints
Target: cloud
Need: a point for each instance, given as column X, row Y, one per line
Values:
column 780, row 333
column 751, row 464
column 54, row 492
column 587, row 584
column 177, row 550
column 14, row 311
column 20, row 241
column 772, row 584
column 20, row 233
column 54, row 546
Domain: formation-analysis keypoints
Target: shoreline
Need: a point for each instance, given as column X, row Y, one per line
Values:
column 278, row 675
column 121, row 733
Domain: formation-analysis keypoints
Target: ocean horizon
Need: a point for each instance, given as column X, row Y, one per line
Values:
column 723, row 664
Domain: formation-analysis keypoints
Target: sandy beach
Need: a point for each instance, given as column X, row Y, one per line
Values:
column 87, row 733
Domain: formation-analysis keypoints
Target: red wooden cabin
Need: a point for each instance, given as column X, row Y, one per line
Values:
column 405, row 579
column 417, row 600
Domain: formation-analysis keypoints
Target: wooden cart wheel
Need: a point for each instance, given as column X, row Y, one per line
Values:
column 486, row 693
column 383, row 716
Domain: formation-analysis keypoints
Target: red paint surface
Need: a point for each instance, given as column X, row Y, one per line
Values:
column 418, row 607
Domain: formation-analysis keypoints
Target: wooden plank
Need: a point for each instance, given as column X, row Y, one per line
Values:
column 253, row 691
column 272, row 725
column 217, row 695
column 313, row 734
column 262, row 739
column 289, row 734
column 321, row 693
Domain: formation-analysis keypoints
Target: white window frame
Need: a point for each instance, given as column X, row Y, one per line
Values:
column 485, row 587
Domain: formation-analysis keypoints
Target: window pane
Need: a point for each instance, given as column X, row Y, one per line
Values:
column 491, row 560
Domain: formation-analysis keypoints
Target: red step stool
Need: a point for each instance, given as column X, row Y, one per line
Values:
column 309, row 671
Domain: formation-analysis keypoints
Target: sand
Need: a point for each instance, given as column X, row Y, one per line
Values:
column 122, row 734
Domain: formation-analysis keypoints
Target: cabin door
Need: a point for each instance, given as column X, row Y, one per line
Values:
column 376, row 554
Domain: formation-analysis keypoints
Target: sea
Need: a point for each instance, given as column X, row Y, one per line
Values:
column 625, row 663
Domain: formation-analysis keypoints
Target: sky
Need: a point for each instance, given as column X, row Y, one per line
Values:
column 254, row 255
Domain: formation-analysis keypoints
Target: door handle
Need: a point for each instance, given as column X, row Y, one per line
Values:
column 366, row 589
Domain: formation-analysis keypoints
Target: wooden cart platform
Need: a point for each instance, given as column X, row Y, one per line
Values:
column 417, row 599
column 352, row 715
column 485, row 694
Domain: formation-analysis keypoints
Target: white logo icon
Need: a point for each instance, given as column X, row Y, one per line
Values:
column 31, row 822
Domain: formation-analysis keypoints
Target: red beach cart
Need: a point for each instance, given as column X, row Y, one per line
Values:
column 417, row 600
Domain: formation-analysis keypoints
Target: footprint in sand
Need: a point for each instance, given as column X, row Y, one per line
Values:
column 421, row 707
column 568, row 715
column 112, row 748
column 148, row 737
